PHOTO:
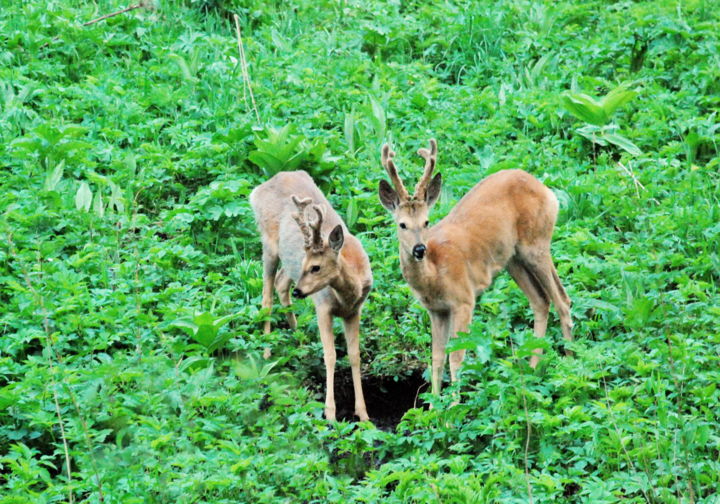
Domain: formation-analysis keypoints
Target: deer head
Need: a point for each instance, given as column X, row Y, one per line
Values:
column 411, row 213
column 320, row 264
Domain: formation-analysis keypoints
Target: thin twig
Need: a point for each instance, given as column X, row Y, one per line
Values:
column 619, row 436
column 527, row 445
column 147, row 4
column 48, row 338
column 62, row 433
column 113, row 14
column 680, row 406
column 417, row 394
column 244, row 69
column 633, row 177
column 528, row 431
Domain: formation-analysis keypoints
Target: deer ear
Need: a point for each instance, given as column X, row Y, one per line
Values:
column 336, row 238
column 388, row 196
column 433, row 190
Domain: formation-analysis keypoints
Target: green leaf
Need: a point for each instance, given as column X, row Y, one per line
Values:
column 83, row 197
column 187, row 74
column 351, row 214
column 585, row 108
column 189, row 327
column 623, row 143
column 617, row 98
column 54, row 177
column 349, row 131
column 378, row 119
column 98, row 206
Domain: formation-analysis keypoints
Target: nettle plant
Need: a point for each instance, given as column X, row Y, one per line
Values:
column 597, row 114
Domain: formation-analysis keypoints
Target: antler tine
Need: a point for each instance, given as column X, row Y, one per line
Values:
column 430, row 156
column 317, row 226
column 300, row 219
column 389, row 166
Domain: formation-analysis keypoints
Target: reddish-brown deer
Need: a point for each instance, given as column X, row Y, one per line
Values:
column 505, row 222
column 322, row 259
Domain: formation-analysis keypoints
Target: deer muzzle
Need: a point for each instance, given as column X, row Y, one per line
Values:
column 297, row 293
column 418, row 251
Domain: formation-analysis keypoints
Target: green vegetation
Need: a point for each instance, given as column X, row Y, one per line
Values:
column 130, row 279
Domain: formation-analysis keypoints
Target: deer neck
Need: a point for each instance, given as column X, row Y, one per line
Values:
column 346, row 286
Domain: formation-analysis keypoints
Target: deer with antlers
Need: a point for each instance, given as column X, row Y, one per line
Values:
column 322, row 259
column 504, row 222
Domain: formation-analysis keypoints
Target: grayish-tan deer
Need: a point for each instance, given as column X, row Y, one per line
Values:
column 505, row 221
column 322, row 259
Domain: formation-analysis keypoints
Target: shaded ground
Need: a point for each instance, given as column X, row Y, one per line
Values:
column 387, row 398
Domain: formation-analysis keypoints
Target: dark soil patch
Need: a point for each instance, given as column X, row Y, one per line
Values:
column 387, row 398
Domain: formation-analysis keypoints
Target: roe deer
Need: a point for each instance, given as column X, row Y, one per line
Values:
column 335, row 271
column 505, row 221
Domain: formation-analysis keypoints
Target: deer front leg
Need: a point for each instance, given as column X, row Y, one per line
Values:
column 440, row 325
column 461, row 317
column 282, row 286
column 270, row 265
column 328, row 342
column 352, row 338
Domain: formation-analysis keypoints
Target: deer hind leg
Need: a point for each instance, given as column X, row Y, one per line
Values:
column 282, row 286
column 540, row 264
column 566, row 322
column 539, row 302
column 324, row 320
column 352, row 338
column 270, row 265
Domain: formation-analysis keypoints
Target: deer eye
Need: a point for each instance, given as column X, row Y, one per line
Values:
column 315, row 269
column 403, row 226
column 426, row 223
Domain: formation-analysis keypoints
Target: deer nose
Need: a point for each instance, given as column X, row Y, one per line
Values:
column 298, row 293
column 419, row 251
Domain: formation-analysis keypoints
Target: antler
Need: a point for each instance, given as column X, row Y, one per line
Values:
column 310, row 230
column 317, row 241
column 299, row 217
column 430, row 157
column 389, row 166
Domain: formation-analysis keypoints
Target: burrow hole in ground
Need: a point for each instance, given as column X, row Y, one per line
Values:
column 387, row 398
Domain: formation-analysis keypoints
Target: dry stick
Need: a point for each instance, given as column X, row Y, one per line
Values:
column 243, row 68
column 113, row 14
column 417, row 394
column 634, row 178
column 145, row 4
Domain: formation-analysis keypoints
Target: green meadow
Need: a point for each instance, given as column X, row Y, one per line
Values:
column 131, row 341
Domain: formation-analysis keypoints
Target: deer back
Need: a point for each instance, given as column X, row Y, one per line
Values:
column 274, row 209
column 507, row 210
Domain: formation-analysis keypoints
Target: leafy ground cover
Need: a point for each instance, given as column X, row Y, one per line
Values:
column 130, row 351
